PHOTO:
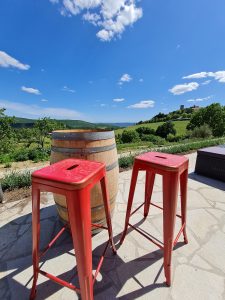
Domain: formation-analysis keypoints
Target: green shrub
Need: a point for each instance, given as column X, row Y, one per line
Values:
column 165, row 129
column 20, row 154
column 118, row 138
column 145, row 130
column 174, row 138
column 126, row 161
column 39, row 154
column 203, row 131
column 184, row 148
column 5, row 158
column 15, row 180
column 130, row 136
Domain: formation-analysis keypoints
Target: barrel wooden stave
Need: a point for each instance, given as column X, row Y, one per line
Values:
column 98, row 150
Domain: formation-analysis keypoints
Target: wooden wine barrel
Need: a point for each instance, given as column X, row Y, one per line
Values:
column 97, row 145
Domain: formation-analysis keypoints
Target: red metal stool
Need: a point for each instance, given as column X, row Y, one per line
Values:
column 172, row 168
column 74, row 179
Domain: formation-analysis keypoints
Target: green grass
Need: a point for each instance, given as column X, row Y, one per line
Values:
column 180, row 127
column 127, row 161
column 16, row 180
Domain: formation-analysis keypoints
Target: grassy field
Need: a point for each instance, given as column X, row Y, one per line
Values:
column 179, row 125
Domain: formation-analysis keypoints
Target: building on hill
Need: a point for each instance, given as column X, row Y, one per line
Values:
column 195, row 107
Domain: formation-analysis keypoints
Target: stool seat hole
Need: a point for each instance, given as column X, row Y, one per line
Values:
column 161, row 157
column 72, row 167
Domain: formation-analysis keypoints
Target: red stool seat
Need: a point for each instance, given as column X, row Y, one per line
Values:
column 74, row 179
column 173, row 168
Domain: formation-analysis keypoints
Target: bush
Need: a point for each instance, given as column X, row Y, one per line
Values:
column 5, row 158
column 165, row 129
column 20, row 154
column 213, row 115
column 118, row 138
column 15, row 180
column 126, row 161
column 203, row 131
column 184, row 148
column 156, row 140
column 145, row 130
column 130, row 136
column 39, row 154
column 174, row 138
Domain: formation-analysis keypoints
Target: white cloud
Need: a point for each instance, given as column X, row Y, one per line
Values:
column 124, row 78
column 118, row 99
column 196, row 75
column 184, row 88
column 141, row 80
column 199, row 99
column 30, row 90
column 143, row 104
column 54, row 1
column 92, row 18
column 105, row 35
column 219, row 76
column 21, row 109
column 7, row 61
column 67, row 89
column 44, row 100
column 102, row 104
column 112, row 16
column 206, row 82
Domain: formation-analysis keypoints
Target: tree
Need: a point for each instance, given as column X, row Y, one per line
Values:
column 129, row 136
column 165, row 129
column 145, row 130
column 42, row 129
column 6, row 132
column 212, row 115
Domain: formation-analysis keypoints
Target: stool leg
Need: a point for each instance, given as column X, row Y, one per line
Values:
column 35, row 236
column 107, row 212
column 130, row 200
column 79, row 211
column 170, row 194
column 183, row 186
column 149, row 183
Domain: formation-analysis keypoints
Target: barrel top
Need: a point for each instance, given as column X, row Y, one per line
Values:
column 83, row 134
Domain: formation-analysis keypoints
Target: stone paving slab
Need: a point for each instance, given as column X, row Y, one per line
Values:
column 136, row 272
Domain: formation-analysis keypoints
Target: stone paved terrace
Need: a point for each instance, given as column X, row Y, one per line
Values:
column 136, row 272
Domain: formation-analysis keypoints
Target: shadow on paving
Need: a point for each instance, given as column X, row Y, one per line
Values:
column 109, row 286
column 208, row 181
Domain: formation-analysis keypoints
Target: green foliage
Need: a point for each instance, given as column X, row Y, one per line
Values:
column 118, row 138
column 130, row 136
column 203, row 131
column 6, row 132
column 145, row 130
column 165, row 129
column 213, row 115
column 39, row 154
column 20, row 154
column 126, row 161
column 154, row 139
column 15, row 180
column 174, row 138
column 187, row 147
column 185, row 113
column 42, row 129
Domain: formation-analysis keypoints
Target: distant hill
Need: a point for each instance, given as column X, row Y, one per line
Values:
column 70, row 124
column 120, row 124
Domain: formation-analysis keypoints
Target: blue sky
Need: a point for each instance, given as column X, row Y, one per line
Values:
column 110, row 60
